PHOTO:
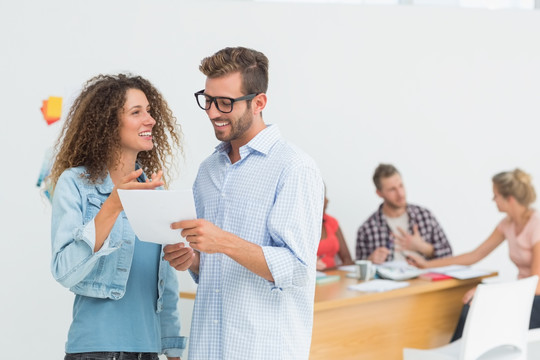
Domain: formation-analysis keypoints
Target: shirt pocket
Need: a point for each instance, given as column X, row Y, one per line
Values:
column 94, row 203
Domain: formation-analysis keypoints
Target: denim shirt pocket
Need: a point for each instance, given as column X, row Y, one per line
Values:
column 94, row 203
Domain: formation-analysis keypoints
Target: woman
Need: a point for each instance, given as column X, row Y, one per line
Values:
column 332, row 243
column 126, row 296
column 513, row 193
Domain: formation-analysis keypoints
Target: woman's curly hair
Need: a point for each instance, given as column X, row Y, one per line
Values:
column 90, row 136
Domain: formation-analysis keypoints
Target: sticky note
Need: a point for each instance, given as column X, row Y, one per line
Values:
column 52, row 109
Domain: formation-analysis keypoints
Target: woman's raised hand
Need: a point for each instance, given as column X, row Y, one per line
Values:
column 129, row 182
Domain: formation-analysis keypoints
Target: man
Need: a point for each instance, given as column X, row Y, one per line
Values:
column 259, row 204
column 398, row 227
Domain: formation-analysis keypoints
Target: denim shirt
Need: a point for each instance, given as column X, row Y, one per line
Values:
column 104, row 274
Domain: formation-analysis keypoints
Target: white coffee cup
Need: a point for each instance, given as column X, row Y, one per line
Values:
column 365, row 270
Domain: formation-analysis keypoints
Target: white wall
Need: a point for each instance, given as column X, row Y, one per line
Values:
column 447, row 95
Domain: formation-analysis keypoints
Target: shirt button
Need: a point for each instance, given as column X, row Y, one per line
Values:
column 215, row 321
column 217, row 290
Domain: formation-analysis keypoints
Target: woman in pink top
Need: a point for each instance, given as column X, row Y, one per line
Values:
column 332, row 243
column 513, row 193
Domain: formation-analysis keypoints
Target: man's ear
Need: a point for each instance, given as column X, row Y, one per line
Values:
column 259, row 103
column 378, row 192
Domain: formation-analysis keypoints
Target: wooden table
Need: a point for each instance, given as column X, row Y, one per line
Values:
column 354, row 325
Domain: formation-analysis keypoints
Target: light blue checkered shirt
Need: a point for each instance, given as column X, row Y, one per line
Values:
column 272, row 197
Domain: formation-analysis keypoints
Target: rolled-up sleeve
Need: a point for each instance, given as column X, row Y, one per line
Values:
column 72, row 241
column 441, row 246
column 294, row 225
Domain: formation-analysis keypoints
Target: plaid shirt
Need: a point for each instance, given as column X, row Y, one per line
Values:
column 375, row 233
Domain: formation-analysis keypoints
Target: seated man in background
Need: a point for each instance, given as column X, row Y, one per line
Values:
column 397, row 226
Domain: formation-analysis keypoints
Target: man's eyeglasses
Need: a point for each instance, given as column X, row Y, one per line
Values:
column 223, row 104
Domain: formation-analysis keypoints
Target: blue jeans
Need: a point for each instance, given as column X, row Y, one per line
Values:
column 112, row 356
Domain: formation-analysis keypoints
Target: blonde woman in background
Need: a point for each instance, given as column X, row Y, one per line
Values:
column 513, row 193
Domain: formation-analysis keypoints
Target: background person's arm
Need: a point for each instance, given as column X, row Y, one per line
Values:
column 469, row 258
column 366, row 246
column 438, row 240
column 343, row 253
column 379, row 255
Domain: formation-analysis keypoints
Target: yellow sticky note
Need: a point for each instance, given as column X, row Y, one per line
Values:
column 52, row 109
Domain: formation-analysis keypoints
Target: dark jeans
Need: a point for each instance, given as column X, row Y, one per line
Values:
column 533, row 324
column 112, row 356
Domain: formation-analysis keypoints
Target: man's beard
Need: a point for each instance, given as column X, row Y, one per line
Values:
column 395, row 206
column 238, row 127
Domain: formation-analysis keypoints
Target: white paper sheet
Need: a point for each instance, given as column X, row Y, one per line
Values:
column 468, row 273
column 378, row 285
column 151, row 212
column 348, row 268
column 461, row 272
column 449, row 268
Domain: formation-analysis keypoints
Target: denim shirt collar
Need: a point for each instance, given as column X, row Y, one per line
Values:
column 106, row 186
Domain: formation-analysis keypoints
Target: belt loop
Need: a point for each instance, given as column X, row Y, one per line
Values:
column 139, row 357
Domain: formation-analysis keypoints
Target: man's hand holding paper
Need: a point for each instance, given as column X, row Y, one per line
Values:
column 202, row 235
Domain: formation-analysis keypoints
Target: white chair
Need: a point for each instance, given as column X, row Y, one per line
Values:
column 533, row 348
column 497, row 325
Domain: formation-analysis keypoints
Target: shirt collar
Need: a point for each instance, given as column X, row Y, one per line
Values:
column 106, row 186
column 380, row 214
column 262, row 142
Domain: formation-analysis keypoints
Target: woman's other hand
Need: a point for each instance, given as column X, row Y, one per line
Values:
column 129, row 182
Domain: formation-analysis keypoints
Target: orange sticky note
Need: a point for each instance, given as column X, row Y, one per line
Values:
column 52, row 109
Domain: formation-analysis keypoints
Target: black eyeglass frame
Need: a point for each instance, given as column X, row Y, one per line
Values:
column 213, row 99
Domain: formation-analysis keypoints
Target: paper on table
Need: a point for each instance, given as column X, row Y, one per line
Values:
column 467, row 273
column 461, row 272
column 445, row 269
column 378, row 285
column 151, row 212
column 348, row 268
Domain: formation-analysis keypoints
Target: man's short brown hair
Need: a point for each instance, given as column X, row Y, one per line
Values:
column 251, row 64
column 383, row 171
